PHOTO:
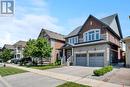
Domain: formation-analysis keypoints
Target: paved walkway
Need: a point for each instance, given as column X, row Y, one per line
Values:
column 85, row 81
column 4, row 83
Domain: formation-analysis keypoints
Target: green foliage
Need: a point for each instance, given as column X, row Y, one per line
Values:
column 72, row 84
column 42, row 48
column 39, row 48
column 103, row 70
column 4, row 71
column 29, row 48
column 44, row 67
column 58, row 61
column 6, row 55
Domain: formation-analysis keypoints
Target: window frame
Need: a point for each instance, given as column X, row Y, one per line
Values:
column 73, row 40
column 88, row 36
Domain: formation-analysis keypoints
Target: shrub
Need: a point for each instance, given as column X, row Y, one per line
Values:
column 103, row 70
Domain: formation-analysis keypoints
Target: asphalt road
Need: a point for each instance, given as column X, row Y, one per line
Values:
column 32, row 80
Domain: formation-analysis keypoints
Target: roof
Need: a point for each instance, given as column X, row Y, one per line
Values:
column 54, row 35
column 126, row 38
column 74, row 32
column 111, row 21
column 21, row 43
column 8, row 46
column 108, row 20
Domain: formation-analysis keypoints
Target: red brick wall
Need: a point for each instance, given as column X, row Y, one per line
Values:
column 113, row 39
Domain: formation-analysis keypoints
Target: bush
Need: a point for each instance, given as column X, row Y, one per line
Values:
column 103, row 70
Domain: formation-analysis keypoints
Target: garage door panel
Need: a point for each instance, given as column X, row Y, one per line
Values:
column 96, row 59
column 81, row 59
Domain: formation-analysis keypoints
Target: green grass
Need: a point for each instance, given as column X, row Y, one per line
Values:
column 72, row 84
column 4, row 71
column 44, row 67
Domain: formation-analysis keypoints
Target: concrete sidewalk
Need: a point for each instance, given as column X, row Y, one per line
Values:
column 4, row 83
column 85, row 81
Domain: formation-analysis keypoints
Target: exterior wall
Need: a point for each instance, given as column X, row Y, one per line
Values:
column 127, row 53
column 112, row 38
column 18, row 52
column 55, row 44
column 93, row 49
column 92, row 24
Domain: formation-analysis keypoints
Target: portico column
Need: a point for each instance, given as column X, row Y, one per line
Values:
column 63, row 58
column 72, row 54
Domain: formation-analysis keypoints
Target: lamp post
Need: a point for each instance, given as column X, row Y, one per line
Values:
column 129, row 17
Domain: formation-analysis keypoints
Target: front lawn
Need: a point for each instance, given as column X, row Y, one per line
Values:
column 72, row 84
column 44, row 67
column 4, row 71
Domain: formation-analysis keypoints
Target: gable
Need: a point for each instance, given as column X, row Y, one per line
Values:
column 43, row 34
column 113, row 22
column 92, row 23
column 114, row 26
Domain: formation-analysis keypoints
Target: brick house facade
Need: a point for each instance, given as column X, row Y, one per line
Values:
column 95, row 43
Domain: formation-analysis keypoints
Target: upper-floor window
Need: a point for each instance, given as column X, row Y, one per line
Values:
column 73, row 40
column 91, row 35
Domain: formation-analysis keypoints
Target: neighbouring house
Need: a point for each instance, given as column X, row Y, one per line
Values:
column 127, row 59
column 8, row 46
column 96, row 43
column 16, row 49
column 56, row 41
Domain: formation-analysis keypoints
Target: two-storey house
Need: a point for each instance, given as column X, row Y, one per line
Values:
column 56, row 41
column 95, row 43
column 18, row 49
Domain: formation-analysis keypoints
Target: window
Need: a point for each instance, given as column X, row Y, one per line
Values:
column 73, row 40
column 92, row 35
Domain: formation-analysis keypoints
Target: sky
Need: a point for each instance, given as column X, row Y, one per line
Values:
column 61, row 16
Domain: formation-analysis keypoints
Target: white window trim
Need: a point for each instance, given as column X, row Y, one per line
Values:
column 72, row 40
column 84, row 34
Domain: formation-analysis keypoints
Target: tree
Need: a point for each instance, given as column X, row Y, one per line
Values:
column 6, row 55
column 43, row 49
column 39, row 48
column 29, row 48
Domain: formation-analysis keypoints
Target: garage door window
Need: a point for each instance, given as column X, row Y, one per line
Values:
column 96, row 54
column 80, row 55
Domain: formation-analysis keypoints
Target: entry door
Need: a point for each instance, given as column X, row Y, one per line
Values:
column 96, row 59
column 81, row 59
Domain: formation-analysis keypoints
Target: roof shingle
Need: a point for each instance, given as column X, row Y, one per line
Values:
column 54, row 35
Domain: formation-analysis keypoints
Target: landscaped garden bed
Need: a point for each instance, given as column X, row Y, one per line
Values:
column 102, row 71
column 44, row 67
column 72, row 84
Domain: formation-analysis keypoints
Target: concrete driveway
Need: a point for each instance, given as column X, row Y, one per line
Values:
column 75, row 70
column 120, row 77
column 32, row 80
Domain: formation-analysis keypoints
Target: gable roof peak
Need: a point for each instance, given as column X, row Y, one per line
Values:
column 53, row 35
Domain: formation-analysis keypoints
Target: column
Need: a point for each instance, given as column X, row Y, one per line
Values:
column 63, row 57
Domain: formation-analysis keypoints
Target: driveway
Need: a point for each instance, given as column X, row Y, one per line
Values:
column 32, row 80
column 120, row 77
column 75, row 70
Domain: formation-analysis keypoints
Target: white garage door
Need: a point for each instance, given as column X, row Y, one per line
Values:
column 81, row 59
column 96, row 59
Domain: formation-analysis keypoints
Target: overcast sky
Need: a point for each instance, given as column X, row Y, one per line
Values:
column 61, row 16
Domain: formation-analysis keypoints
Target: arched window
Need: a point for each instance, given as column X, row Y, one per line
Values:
column 91, row 35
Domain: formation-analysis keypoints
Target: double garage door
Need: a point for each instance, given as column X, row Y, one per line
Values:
column 95, row 59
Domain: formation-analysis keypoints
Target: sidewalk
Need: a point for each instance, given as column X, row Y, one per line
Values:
column 4, row 83
column 85, row 81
